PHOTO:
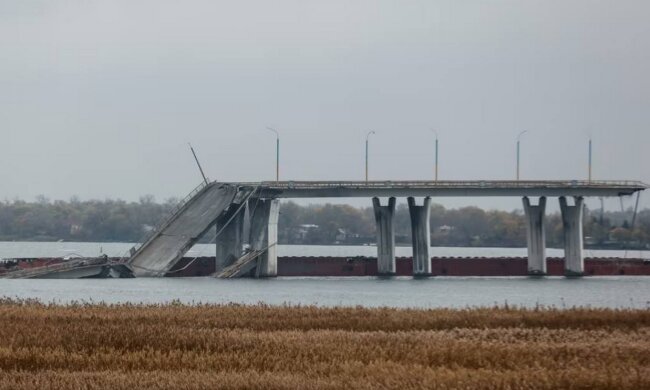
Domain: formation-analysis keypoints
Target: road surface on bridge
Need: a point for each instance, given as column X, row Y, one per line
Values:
column 476, row 188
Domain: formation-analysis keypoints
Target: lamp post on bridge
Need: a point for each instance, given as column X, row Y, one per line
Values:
column 367, row 138
column 277, row 153
column 436, row 159
column 590, row 159
column 518, row 143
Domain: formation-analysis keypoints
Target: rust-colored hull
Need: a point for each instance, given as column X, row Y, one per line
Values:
column 367, row 266
column 441, row 266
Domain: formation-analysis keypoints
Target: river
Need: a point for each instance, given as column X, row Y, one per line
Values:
column 457, row 292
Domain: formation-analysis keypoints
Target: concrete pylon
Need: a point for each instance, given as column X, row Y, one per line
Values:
column 230, row 239
column 264, row 234
column 420, row 233
column 536, row 236
column 572, row 222
column 385, row 236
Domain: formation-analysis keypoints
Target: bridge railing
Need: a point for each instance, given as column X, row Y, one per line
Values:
column 455, row 184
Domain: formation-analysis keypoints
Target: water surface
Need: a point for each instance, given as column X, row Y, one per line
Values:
column 610, row 291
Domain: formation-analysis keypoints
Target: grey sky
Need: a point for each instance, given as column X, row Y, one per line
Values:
column 99, row 98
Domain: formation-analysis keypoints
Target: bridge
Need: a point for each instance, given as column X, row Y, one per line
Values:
column 248, row 213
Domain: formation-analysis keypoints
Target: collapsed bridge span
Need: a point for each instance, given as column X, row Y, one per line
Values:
column 191, row 219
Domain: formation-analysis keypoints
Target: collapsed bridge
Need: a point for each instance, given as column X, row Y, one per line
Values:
column 247, row 213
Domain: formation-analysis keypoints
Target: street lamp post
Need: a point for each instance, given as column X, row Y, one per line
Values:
column 205, row 179
column 277, row 153
column 590, row 149
column 367, row 137
column 436, row 157
column 518, row 143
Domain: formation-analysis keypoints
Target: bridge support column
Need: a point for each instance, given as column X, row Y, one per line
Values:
column 536, row 236
column 421, row 233
column 572, row 222
column 230, row 238
column 264, row 234
column 385, row 236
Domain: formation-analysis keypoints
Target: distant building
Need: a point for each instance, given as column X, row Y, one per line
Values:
column 75, row 229
column 446, row 229
column 303, row 230
column 343, row 236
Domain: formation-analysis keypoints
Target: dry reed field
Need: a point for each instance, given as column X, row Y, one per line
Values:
column 88, row 346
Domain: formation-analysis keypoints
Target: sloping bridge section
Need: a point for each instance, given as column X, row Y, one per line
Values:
column 192, row 218
column 242, row 266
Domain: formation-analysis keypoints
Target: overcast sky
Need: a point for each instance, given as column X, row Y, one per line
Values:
column 99, row 99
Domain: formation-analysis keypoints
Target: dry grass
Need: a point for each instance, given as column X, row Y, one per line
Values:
column 259, row 347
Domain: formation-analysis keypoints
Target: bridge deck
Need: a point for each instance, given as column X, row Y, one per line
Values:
column 478, row 188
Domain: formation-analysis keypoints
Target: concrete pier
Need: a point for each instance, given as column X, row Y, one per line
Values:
column 536, row 236
column 264, row 234
column 421, row 235
column 230, row 239
column 573, row 245
column 385, row 236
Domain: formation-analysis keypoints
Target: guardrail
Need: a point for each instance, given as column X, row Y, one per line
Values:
column 165, row 222
column 453, row 184
column 243, row 263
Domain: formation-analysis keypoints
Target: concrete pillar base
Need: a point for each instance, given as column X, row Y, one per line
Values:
column 264, row 234
column 230, row 239
column 572, row 274
column 421, row 237
column 574, row 265
column 536, row 236
column 385, row 237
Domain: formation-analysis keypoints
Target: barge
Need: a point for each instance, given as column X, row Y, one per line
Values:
column 327, row 266
column 441, row 266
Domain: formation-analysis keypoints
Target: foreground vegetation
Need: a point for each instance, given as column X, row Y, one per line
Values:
column 259, row 347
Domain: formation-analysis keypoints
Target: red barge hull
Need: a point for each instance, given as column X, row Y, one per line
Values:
column 441, row 266
column 367, row 266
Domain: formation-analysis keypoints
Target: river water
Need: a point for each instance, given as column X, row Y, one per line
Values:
column 118, row 249
column 459, row 292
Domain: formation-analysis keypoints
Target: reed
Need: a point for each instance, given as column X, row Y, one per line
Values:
column 172, row 346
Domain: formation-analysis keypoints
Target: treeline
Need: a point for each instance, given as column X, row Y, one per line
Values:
column 75, row 220
column 120, row 221
column 466, row 226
